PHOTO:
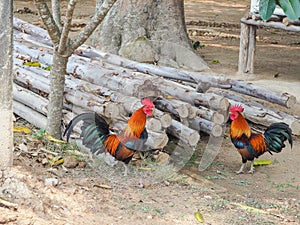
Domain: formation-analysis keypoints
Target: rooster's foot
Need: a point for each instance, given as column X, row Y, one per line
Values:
column 241, row 170
column 251, row 168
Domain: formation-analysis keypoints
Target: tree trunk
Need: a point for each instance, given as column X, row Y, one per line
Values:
column 148, row 31
column 56, row 94
column 6, row 118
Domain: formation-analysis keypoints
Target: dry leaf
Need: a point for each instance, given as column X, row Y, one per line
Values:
column 199, row 216
column 104, row 186
column 262, row 162
column 22, row 129
column 50, row 138
column 33, row 64
column 249, row 208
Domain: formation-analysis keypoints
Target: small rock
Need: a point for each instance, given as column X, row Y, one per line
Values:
column 70, row 162
column 51, row 181
column 163, row 158
column 82, row 164
column 45, row 161
column 149, row 217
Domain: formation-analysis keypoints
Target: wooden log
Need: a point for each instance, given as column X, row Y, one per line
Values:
column 184, row 133
column 154, row 125
column 157, row 140
column 30, row 99
column 165, row 119
column 32, row 116
column 286, row 21
column 206, row 126
column 211, row 115
column 274, row 18
column 178, row 108
column 271, row 24
column 30, row 29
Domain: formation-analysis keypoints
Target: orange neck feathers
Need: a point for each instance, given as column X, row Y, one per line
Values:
column 136, row 123
column 239, row 126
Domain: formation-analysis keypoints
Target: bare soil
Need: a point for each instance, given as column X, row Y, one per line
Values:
column 93, row 194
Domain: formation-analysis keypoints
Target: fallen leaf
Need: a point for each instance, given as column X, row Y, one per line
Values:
column 22, row 129
column 146, row 168
column 262, row 162
column 104, row 186
column 50, row 138
column 48, row 68
column 33, row 64
column 199, row 216
column 249, row 208
column 215, row 61
column 56, row 161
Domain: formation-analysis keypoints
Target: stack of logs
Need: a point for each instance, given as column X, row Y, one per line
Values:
column 113, row 86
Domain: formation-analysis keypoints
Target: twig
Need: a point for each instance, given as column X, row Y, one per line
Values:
column 10, row 205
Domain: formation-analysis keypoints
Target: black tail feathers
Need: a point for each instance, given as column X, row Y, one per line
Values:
column 94, row 130
column 275, row 136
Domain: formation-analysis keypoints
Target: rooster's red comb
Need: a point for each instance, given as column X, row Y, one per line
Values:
column 148, row 102
column 236, row 108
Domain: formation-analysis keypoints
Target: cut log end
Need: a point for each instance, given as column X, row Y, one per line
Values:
column 217, row 130
column 218, row 118
column 154, row 124
column 295, row 126
column 194, row 139
column 291, row 101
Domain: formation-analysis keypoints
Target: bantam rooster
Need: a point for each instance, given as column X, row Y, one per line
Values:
column 251, row 145
column 97, row 137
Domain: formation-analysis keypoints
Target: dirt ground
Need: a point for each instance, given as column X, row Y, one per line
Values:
column 96, row 194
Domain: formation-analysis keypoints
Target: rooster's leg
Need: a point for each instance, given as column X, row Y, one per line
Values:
column 252, row 167
column 125, row 169
column 241, row 170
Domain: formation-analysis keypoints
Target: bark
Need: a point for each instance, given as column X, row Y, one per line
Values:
column 57, row 85
column 148, row 31
column 56, row 12
column 6, row 119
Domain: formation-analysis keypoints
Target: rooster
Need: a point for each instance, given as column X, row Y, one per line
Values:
column 97, row 137
column 251, row 145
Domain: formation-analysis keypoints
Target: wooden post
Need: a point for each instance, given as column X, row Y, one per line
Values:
column 6, row 118
column 244, row 44
column 251, row 49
